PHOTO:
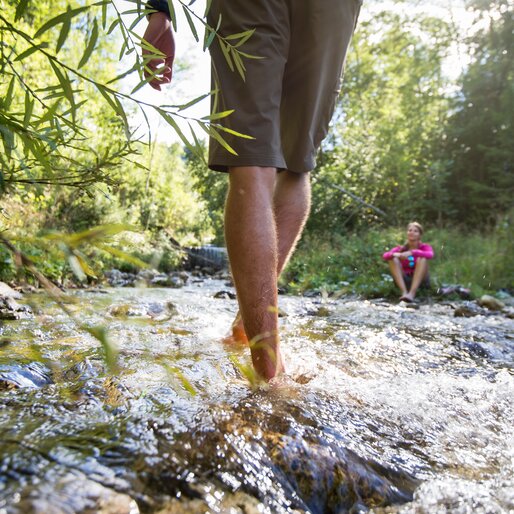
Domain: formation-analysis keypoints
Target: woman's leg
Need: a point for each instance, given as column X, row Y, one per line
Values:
column 396, row 271
column 420, row 273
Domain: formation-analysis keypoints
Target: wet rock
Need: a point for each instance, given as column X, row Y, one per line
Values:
column 226, row 295
column 147, row 274
column 161, row 310
column 76, row 494
column 31, row 376
column 468, row 310
column 163, row 280
column 117, row 278
column 312, row 293
column 233, row 503
column 322, row 311
column 509, row 312
column 10, row 309
column 505, row 297
column 126, row 310
column 491, row 303
column 9, row 292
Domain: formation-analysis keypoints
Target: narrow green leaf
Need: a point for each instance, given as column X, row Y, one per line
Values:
column 68, row 15
column 226, row 52
column 207, row 7
column 90, row 45
column 8, row 140
column 113, row 25
column 198, row 147
column 233, row 132
column 28, row 52
column 247, row 34
column 239, row 65
column 218, row 115
column 111, row 353
column 193, row 102
column 65, row 83
column 215, row 135
column 191, row 23
column 124, row 46
column 173, row 370
column 136, row 21
column 124, row 74
column 76, row 268
column 49, row 113
column 108, row 96
column 173, row 16
column 218, row 25
column 122, row 255
column 29, row 106
column 209, row 38
column 250, row 56
column 104, row 15
column 6, row 103
column 65, row 29
column 169, row 119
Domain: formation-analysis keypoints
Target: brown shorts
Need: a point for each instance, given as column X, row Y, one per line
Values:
column 287, row 98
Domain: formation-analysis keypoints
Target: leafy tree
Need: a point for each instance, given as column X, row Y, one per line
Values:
column 385, row 142
column 480, row 145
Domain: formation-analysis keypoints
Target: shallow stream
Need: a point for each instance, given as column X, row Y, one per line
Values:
column 391, row 409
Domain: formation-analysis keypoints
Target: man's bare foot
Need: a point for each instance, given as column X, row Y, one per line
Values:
column 237, row 335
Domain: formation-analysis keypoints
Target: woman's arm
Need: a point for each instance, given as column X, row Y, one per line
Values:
column 424, row 251
column 389, row 255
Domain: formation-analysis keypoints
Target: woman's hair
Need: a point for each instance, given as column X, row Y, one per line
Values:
column 405, row 247
column 417, row 225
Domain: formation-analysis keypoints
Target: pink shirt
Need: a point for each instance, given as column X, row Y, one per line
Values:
column 423, row 251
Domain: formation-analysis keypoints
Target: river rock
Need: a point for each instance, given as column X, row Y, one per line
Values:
column 10, row 309
column 74, row 493
column 31, row 376
column 469, row 309
column 117, row 278
column 491, row 303
column 9, row 292
column 226, row 295
column 233, row 503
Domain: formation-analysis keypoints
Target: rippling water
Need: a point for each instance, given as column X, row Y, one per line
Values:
column 391, row 410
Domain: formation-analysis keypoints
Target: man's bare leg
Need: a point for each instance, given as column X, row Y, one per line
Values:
column 420, row 272
column 291, row 203
column 396, row 271
column 291, row 206
column 251, row 237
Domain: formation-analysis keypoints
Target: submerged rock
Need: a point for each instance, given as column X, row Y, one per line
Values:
column 74, row 493
column 32, row 376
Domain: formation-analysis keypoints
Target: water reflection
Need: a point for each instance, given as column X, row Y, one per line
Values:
column 399, row 410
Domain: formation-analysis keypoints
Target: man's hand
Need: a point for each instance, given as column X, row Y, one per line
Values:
column 159, row 35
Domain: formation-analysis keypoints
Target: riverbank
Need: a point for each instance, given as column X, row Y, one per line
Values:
column 403, row 409
column 352, row 263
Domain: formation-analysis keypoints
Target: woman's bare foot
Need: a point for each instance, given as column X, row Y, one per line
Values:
column 237, row 333
column 409, row 297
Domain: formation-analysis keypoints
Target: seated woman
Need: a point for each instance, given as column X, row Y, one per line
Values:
column 408, row 263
